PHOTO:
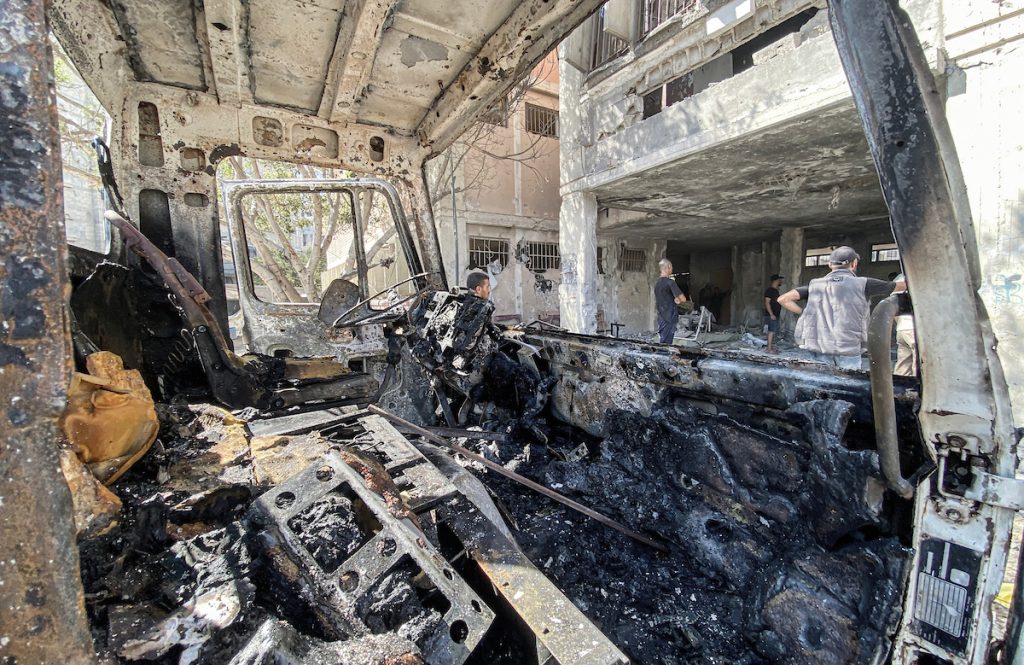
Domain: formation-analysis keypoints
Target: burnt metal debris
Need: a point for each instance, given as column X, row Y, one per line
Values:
column 352, row 557
column 341, row 555
column 342, row 530
column 526, row 482
column 256, row 381
column 42, row 618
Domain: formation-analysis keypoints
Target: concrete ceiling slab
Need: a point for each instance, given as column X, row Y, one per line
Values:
column 815, row 172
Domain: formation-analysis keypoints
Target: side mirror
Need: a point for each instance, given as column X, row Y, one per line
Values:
column 341, row 296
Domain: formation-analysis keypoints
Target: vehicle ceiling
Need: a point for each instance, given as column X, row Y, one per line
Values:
column 416, row 67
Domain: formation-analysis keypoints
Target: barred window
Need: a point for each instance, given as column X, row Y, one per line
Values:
column 483, row 251
column 655, row 12
column 606, row 46
column 885, row 252
column 541, row 120
column 543, row 256
column 633, row 260
column 817, row 257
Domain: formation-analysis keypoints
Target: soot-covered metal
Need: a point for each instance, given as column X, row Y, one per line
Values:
column 330, row 534
column 783, row 548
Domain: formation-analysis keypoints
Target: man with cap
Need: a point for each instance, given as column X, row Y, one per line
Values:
column 772, row 310
column 833, row 324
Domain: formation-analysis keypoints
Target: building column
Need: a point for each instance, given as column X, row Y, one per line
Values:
column 577, row 243
column 791, row 267
column 43, row 617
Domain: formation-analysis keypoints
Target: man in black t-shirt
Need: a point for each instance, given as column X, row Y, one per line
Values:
column 772, row 310
column 666, row 296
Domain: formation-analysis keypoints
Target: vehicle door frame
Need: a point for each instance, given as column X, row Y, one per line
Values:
column 274, row 327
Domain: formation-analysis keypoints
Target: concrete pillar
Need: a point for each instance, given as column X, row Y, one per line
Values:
column 577, row 242
column 748, row 284
column 791, row 266
column 656, row 254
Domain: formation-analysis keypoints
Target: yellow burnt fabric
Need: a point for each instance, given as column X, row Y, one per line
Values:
column 110, row 420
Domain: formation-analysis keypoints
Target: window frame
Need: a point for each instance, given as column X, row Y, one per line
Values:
column 633, row 259
column 544, row 252
column 503, row 253
column 545, row 120
column 880, row 248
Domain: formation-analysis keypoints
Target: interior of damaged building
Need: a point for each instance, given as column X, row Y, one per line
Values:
column 328, row 332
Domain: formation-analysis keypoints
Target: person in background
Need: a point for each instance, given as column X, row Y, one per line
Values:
column 833, row 326
column 666, row 296
column 772, row 310
column 479, row 284
column 906, row 341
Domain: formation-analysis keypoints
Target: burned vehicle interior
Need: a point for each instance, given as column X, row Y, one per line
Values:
column 380, row 473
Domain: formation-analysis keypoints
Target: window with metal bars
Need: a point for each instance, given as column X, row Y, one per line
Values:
column 655, row 12
column 886, row 252
column 484, row 251
column 541, row 120
column 543, row 256
column 817, row 257
column 633, row 260
column 606, row 45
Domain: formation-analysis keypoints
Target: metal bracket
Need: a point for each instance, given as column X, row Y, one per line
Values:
column 996, row 490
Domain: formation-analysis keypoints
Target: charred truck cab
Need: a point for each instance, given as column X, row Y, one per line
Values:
column 761, row 511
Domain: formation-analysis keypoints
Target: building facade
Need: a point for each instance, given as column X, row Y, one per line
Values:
column 506, row 201
column 723, row 135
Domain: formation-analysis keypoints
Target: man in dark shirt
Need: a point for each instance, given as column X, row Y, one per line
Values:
column 666, row 296
column 834, row 324
column 772, row 310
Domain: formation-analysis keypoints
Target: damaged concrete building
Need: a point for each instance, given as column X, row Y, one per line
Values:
column 387, row 474
column 724, row 136
column 504, row 220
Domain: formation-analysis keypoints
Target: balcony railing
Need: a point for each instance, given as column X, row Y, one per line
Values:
column 655, row 12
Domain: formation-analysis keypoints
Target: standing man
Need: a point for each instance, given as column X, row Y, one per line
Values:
column 666, row 296
column 834, row 324
column 906, row 340
column 772, row 310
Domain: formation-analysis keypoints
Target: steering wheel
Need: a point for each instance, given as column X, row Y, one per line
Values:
column 367, row 316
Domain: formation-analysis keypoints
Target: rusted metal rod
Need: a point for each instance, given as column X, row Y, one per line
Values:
column 499, row 469
column 459, row 433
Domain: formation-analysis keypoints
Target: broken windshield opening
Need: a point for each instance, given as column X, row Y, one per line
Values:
column 297, row 242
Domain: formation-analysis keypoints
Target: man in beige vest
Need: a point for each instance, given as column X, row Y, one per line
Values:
column 833, row 325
